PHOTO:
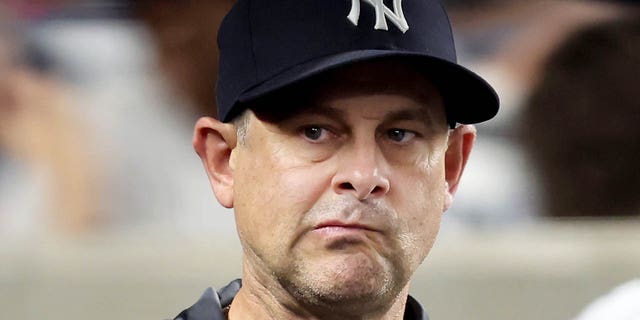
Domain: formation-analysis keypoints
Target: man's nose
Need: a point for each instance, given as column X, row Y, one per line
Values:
column 362, row 171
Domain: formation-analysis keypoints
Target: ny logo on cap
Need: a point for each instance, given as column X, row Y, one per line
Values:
column 382, row 13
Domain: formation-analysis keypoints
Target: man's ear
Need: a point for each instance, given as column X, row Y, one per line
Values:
column 460, row 144
column 214, row 141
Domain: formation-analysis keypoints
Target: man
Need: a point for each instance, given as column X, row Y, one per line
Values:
column 333, row 147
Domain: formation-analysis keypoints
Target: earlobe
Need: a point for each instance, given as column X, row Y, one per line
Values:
column 214, row 142
column 460, row 144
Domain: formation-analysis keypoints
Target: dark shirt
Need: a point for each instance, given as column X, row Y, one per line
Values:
column 215, row 305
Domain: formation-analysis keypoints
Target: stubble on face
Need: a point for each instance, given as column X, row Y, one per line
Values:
column 348, row 273
column 286, row 197
column 345, row 277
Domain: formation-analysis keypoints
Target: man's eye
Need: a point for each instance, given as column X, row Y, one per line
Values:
column 314, row 133
column 400, row 135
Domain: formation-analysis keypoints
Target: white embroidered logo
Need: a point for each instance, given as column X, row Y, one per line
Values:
column 382, row 13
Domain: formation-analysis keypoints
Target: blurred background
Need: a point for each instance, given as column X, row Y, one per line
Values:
column 106, row 213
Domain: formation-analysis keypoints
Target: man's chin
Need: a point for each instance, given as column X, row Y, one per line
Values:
column 346, row 278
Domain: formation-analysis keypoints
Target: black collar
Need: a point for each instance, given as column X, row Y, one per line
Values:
column 214, row 305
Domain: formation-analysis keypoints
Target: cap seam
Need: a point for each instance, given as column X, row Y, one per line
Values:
column 455, row 53
column 253, row 51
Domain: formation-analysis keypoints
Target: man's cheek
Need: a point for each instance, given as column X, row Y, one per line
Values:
column 305, row 184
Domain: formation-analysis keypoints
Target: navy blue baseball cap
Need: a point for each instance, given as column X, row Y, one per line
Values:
column 267, row 45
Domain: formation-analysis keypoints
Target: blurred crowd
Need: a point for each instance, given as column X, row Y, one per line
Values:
column 97, row 100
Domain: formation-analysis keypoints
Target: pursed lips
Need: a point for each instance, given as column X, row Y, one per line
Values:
column 344, row 225
column 341, row 235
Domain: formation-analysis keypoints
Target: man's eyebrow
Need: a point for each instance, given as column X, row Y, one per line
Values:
column 407, row 114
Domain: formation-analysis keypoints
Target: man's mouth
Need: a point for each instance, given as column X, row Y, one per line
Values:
column 338, row 233
column 337, row 225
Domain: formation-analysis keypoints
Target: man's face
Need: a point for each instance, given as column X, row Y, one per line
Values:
column 341, row 200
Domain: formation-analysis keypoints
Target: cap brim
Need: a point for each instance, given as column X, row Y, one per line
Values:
column 468, row 98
